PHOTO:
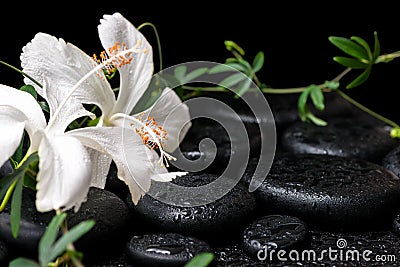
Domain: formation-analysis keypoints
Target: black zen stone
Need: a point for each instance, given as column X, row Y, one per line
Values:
column 217, row 221
column 112, row 217
column 372, row 248
column 32, row 226
column 331, row 191
column 396, row 224
column 343, row 136
column 274, row 232
column 392, row 161
column 197, row 145
column 109, row 212
column 3, row 252
column 169, row 249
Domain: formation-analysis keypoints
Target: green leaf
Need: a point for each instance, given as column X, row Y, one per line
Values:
column 232, row 80
column 395, row 132
column 221, row 68
column 302, row 104
column 29, row 89
column 71, row 236
column 360, row 79
column 238, row 66
column 48, row 239
column 180, row 72
column 230, row 46
column 258, row 61
column 6, row 182
column 44, row 106
column 317, row 97
column 17, row 157
column 315, row 120
column 350, row 62
column 16, row 203
column 377, row 46
column 22, row 262
column 243, row 88
column 349, row 47
column 94, row 122
column 200, row 260
column 365, row 45
column 333, row 85
column 194, row 74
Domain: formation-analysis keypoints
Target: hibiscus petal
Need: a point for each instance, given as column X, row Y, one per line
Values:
column 134, row 77
column 65, row 64
column 126, row 148
column 172, row 115
column 100, row 168
column 64, row 174
column 24, row 102
column 72, row 109
column 11, row 127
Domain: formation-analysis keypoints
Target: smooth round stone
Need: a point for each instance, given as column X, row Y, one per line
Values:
column 274, row 232
column 114, row 184
column 384, row 244
column 197, row 145
column 109, row 212
column 6, row 169
column 3, row 252
column 169, row 249
column 330, row 191
column 396, row 224
column 392, row 161
column 219, row 221
column 343, row 136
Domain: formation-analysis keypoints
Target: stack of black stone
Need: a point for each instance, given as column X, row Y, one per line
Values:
column 331, row 197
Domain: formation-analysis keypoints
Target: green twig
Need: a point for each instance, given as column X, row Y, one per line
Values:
column 21, row 72
column 157, row 37
column 367, row 110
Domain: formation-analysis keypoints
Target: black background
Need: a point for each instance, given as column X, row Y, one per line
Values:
column 293, row 36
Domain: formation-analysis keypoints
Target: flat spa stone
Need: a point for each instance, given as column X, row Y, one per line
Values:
column 392, row 160
column 169, row 249
column 375, row 248
column 274, row 232
column 343, row 136
column 214, row 222
column 109, row 212
column 3, row 252
column 197, row 145
column 396, row 225
column 330, row 191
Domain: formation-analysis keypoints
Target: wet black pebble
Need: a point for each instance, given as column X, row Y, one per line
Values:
column 169, row 249
column 109, row 212
column 330, row 191
column 396, row 224
column 274, row 232
column 3, row 252
column 343, row 136
column 392, row 161
column 197, row 146
column 216, row 221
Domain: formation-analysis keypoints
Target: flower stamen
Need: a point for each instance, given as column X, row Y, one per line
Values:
column 153, row 136
column 113, row 58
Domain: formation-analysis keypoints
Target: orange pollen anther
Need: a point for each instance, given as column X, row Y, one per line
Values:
column 157, row 131
column 115, row 57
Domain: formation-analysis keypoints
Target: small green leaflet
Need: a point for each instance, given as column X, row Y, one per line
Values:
column 200, row 260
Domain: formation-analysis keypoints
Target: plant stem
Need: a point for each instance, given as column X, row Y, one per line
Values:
column 21, row 72
column 64, row 230
column 367, row 110
column 157, row 37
